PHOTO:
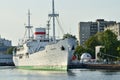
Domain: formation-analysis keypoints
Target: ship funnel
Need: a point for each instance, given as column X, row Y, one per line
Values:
column 40, row 33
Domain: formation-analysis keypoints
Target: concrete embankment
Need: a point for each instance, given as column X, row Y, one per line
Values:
column 103, row 66
column 95, row 66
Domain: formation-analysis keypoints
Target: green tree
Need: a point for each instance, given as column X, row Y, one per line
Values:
column 69, row 36
column 10, row 50
column 91, row 43
column 79, row 50
column 108, row 39
column 110, row 43
column 118, row 49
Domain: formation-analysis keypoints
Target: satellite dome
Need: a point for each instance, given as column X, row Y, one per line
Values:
column 86, row 56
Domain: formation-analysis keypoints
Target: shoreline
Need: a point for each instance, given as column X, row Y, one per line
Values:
column 95, row 66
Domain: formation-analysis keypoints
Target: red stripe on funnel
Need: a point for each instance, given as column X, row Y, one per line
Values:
column 36, row 33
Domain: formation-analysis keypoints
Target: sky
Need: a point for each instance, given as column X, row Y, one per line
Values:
column 13, row 15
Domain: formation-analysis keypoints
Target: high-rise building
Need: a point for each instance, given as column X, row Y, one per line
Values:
column 87, row 29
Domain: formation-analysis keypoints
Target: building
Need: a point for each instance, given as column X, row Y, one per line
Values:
column 5, row 59
column 4, row 45
column 87, row 29
column 84, row 32
column 115, row 28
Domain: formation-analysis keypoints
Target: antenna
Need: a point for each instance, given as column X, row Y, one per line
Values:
column 53, row 15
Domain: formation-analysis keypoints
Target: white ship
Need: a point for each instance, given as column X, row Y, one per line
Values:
column 43, row 53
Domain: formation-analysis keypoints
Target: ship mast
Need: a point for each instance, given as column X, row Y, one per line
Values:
column 53, row 15
column 29, row 27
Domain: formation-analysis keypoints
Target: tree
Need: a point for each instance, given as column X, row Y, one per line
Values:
column 68, row 36
column 118, row 49
column 10, row 50
column 79, row 50
column 91, row 43
column 108, row 39
column 110, row 43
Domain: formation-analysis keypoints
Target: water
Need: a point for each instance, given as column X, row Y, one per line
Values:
column 9, row 73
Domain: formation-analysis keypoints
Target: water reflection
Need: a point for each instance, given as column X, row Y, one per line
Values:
column 7, row 67
column 70, row 73
column 110, row 72
column 73, row 74
column 43, row 75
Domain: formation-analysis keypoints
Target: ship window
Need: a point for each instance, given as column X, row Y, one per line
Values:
column 18, row 49
column 27, row 55
column 73, row 48
column 62, row 48
column 20, row 56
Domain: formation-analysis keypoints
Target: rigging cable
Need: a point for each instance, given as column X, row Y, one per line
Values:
column 60, row 25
